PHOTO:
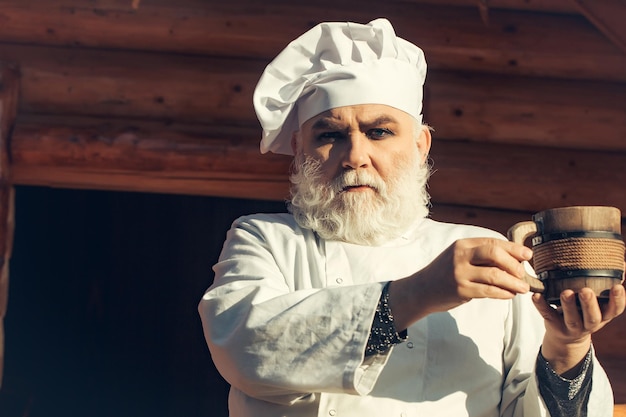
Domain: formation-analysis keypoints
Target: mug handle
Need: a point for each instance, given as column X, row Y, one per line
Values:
column 518, row 234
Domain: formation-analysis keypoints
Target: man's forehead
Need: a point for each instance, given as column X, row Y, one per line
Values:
column 362, row 114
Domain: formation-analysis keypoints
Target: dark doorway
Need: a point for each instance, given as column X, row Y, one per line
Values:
column 102, row 317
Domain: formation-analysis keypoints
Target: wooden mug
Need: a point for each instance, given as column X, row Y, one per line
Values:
column 573, row 248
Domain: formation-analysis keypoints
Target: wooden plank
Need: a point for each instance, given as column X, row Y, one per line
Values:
column 539, row 44
column 183, row 183
column 135, row 85
column 553, row 6
column 526, row 178
column 608, row 16
column 8, row 111
column 526, row 111
column 149, row 158
column 514, row 43
column 193, row 89
column 144, row 146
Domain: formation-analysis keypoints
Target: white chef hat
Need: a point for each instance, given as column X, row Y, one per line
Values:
column 337, row 64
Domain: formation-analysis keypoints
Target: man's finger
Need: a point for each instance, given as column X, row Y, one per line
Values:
column 616, row 304
column 504, row 255
column 591, row 313
column 571, row 315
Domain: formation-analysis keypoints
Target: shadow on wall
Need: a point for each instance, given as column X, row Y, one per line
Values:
column 102, row 317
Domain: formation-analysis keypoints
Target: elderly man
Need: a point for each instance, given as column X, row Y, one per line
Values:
column 357, row 304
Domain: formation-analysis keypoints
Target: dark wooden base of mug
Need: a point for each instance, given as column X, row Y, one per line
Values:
column 600, row 285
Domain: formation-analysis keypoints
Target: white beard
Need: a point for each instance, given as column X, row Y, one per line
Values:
column 363, row 218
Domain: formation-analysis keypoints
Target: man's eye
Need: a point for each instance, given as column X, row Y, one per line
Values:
column 329, row 137
column 379, row 133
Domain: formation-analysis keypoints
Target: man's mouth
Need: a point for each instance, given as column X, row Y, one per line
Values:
column 357, row 188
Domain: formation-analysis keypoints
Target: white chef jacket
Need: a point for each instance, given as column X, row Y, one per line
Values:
column 288, row 317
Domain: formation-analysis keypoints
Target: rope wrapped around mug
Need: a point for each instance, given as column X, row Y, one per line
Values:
column 569, row 254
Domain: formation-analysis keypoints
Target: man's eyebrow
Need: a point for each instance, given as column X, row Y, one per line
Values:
column 380, row 120
column 327, row 123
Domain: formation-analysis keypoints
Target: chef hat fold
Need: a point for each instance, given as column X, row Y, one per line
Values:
column 337, row 64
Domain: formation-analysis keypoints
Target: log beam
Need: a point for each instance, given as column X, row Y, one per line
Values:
column 8, row 110
column 149, row 157
column 537, row 44
column 608, row 16
column 551, row 6
column 525, row 177
column 526, row 111
column 202, row 90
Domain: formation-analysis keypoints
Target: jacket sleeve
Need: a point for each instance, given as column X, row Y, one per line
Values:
column 279, row 337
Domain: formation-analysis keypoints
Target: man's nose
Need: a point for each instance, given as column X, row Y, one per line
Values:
column 357, row 152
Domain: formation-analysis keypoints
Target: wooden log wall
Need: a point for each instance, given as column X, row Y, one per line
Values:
column 8, row 109
column 527, row 98
column 158, row 98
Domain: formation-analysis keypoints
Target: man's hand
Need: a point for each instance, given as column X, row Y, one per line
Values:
column 569, row 329
column 467, row 269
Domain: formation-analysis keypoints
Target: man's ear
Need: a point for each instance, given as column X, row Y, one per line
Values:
column 294, row 142
column 423, row 142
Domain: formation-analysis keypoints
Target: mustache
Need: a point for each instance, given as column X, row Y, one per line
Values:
column 354, row 178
